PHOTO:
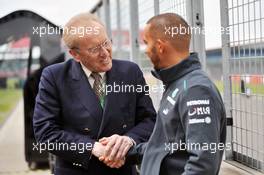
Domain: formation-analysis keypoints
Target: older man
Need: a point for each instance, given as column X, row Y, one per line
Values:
column 189, row 134
column 73, row 110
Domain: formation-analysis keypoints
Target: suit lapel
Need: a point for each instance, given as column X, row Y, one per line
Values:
column 83, row 90
column 111, row 99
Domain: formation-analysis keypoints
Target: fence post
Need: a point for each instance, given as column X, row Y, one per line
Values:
column 226, row 70
column 107, row 19
column 118, row 26
column 156, row 7
column 134, row 29
column 195, row 17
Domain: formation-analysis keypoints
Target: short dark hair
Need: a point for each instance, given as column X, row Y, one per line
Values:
column 159, row 24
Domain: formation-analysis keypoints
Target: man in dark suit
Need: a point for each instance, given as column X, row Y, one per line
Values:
column 73, row 110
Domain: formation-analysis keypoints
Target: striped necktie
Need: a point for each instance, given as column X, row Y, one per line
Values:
column 97, row 87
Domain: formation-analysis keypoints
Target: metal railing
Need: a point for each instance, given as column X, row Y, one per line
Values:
column 243, row 54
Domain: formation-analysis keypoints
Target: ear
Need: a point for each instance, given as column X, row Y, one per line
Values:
column 160, row 46
column 75, row 54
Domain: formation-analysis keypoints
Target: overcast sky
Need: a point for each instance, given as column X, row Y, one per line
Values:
column 59, row 12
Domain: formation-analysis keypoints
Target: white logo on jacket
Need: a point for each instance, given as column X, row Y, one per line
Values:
column 199, row 111
column 206, row 120
column 198, row 102
column 165, row 111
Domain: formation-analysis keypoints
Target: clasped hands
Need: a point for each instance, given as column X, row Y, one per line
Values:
column 112, row 150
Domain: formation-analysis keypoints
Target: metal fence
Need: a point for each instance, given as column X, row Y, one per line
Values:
column 243, row 55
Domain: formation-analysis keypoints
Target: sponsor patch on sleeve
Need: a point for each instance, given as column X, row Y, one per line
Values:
column 198, row 102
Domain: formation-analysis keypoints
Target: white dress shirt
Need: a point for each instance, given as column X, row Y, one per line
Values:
column 90, row 78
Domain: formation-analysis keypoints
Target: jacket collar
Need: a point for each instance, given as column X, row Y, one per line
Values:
column 77, row 71
column 173, row 73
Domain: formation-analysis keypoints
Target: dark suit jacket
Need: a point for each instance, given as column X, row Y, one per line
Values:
column 68, row 112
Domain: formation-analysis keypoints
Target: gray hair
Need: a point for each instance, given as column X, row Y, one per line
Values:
column 80, row 20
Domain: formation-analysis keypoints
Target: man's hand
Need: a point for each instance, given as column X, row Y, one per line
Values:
column 98, row 150
column 112, row 164
column 116, row 147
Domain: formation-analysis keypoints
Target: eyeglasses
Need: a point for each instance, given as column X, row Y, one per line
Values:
column 96, row 50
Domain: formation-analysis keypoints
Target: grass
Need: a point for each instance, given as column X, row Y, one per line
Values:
column 8, row 99
column 254, row 88
column 220, row 86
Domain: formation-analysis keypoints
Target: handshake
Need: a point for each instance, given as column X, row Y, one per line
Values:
column 112, row 150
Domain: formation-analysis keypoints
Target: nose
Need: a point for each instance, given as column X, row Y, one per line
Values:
column 103, row 52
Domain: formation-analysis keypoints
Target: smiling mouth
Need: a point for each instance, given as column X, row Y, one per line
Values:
column 106, row 61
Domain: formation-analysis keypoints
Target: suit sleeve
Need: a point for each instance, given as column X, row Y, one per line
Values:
column 48, row 127
column 145, row 113
column 201, row 112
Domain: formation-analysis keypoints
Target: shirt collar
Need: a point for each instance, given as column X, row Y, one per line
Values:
column 88, row 72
